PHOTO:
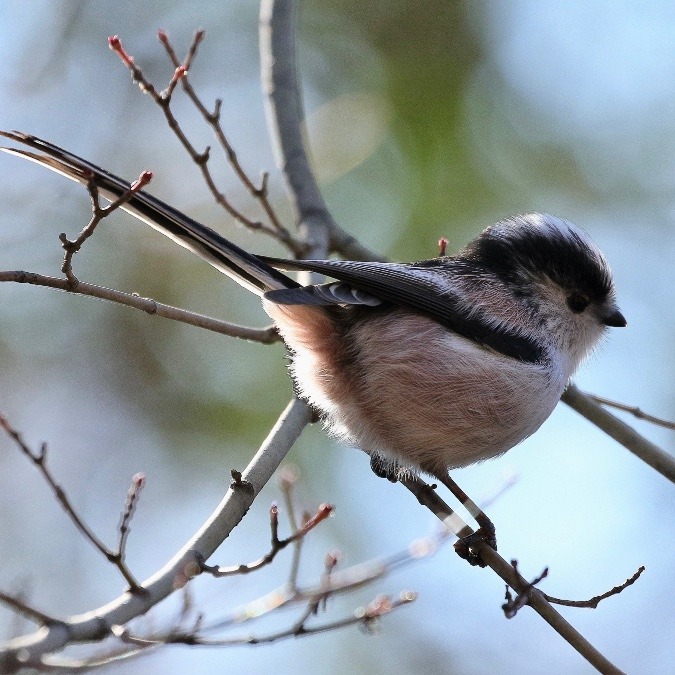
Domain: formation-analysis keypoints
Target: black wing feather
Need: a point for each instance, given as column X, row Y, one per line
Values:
column 220, row 252
column 414, row 286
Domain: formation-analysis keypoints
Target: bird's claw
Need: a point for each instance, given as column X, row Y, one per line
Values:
column 466, row 547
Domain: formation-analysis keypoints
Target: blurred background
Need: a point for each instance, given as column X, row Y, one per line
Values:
column 424, row 121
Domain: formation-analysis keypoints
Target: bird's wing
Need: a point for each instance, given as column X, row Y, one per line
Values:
column 422, row 287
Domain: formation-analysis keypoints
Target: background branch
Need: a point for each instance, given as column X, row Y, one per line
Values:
column 201, row 159
column 213, row 119
column 285, row 117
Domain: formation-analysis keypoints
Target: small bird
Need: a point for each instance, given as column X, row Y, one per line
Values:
column 429, row 365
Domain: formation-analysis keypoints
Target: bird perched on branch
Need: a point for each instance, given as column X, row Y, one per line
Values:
column 429, row 365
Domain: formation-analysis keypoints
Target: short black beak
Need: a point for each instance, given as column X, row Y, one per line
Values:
column 615, row 319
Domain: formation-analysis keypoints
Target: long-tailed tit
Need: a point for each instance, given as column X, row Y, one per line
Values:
column 429, row 365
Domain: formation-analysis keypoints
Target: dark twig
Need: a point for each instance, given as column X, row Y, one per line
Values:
column 635, row 411
column 39, row 460
column 277, row 544
column 267, row 335
column 503, row 569
column 593, row 602
column 98, row 213
column 513, row 604
column 201, row 159
column 621, row 432
column 213, row 119
column 19, row 606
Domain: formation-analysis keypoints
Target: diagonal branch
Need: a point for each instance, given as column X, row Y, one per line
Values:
column 621, row 432
column 27, row 651
column 505, row 570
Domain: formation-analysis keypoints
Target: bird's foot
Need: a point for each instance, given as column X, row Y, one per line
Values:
column 383, row 468
column 467, row 547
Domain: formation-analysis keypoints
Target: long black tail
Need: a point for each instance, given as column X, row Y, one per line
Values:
column 243, row 267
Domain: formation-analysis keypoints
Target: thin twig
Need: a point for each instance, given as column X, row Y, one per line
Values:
column 213, row 119
column 137, row 483
column 620, row 431
column 39, row 460
column 201, row 159
column 98, row 213
column 635, row 411
column 593, row 602
column 333, row 582
column 513, row 605
column 277, row 544
column 22, row 608
column 364, row 616
column 287, row 481
column 56, row 664
column 267, row 335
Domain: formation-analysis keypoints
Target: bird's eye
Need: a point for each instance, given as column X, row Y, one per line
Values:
column 577, row 302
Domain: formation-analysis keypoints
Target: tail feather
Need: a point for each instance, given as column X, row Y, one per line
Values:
column 247, row 269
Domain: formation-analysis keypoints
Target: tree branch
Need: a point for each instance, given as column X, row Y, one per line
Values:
column 98, row 213
column 620, row 431
column 277, row 546
column 505, row 570
column 635, row 411
column 264, row 335
column 27, row 651
column 19, row 606
column 39, row 460
column 593, row 602
column 213, row 120
column 285, row 120
column 201, row 159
